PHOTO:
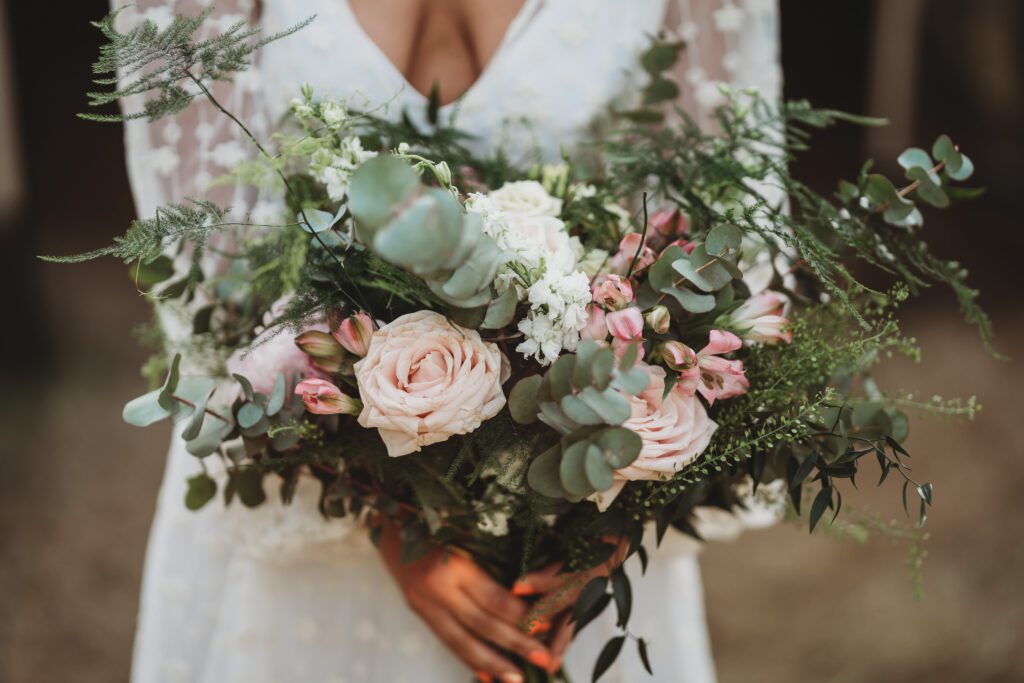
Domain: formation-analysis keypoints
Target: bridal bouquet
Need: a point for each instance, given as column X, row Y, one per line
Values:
column 533, row 365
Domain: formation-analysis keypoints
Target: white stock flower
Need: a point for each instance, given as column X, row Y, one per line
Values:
column 335, row 169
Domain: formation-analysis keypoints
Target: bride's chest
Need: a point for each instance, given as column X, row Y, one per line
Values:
column 559, row 65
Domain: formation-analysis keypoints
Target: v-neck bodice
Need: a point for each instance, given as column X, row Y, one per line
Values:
column 558, row 67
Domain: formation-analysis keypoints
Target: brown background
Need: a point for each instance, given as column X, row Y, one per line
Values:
column 77, row 485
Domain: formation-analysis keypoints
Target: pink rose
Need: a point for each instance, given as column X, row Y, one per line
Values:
column 323, row 398
column 675, row 429
column 424, row 380
column 713, row 376
column 627, row 324
column 761, row 317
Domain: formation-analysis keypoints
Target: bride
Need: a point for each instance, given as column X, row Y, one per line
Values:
column 281, row 594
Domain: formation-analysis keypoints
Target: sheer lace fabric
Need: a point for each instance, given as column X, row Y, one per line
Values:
column 279, row 593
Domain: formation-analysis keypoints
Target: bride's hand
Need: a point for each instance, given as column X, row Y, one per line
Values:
column 466, row 608
column 557, row 593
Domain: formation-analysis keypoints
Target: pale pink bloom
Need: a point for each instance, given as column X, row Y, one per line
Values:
column 760, row 319
column 424, row 380
column 659, row 319
column 715, row 377
column 323, row 398
column 612, row 292
column 664, row 226
column 627, row 324
column 686, row 246
column 620, row 346
column 354, row 333
column 272, row 352
column 597, row 326
column 620, row 262
column 674, row 429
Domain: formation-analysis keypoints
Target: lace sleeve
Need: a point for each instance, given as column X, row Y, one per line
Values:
column 181, row 156
column 735, row 42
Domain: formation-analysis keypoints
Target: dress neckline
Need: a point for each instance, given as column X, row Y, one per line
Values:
column 514, row 29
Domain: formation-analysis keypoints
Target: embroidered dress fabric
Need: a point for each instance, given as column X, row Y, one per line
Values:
column 279, row 593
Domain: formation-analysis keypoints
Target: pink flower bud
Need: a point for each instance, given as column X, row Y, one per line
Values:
column 627, row 324
column 664, row 226
column 612, row 292
column 688, row 247
column 658, row 319
column 677, row 355
column 354, row 333
column 319, row 345
column 323, row 398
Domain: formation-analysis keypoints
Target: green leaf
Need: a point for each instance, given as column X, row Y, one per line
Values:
column 250, row 395
column 559, row 376
column 596, row 470
column 623, row 595
column 170, row 384
column 543, row 475
column 621, row 446
column 522, row 400
column 247, row 482
column 915, row 156
column 249, row 414
column 571, row 470
column 603, row 368
column 945, row 150
column 277, row 396
column 927, row 189
column 501, row 311
column 820, row 504
column 610, row 405
column 596, row 608
column 608, row 655
column 195, row 423
column 965, row 171
column 582, row 374
column 201, row 490
column 642, row 115
column 211, row 436
column 145, row 410
column 377, row 187
column 723, row 239
column 589, row 596
column 692, row 301
column 148, row 274
column 641, row 648
column 315, row 221
column 925, row 492
column 660, row 90
column 661, row 56
column 580, row 412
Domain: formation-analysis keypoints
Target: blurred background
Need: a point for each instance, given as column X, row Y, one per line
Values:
column 77, row 487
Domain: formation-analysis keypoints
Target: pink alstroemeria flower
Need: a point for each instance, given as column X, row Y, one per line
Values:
column 354, row 333
column 664, row 226
column 761, row 317
column 323, row 398
column 627, row 324
column 612, row 292
column 620, row 262
column 715, row 377
column 597, row 326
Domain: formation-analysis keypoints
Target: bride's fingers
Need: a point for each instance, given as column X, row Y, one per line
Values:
column 560, row 640
column 473, row 652
column 504, row 635
column 539, row 582
column 494, row 598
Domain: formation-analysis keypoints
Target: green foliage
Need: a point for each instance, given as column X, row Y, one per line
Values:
column 173, row 64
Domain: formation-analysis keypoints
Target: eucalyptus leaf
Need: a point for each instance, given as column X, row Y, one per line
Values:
column 501, row 311
column 522, row 400
column 277, row 396
column 377, row 188
column 145, row 410
column 543, row 475
column 610, row 405
column 723, row 239
column 315, row 221
column 598, row 472
column 571, row 469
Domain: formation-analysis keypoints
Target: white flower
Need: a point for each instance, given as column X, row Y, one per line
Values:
column 543, row 339
column 333, row 113
column 525, row 197
column 335, row 169
column 558, row 313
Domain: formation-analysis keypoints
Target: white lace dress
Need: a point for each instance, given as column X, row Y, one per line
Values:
column 279, row 593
